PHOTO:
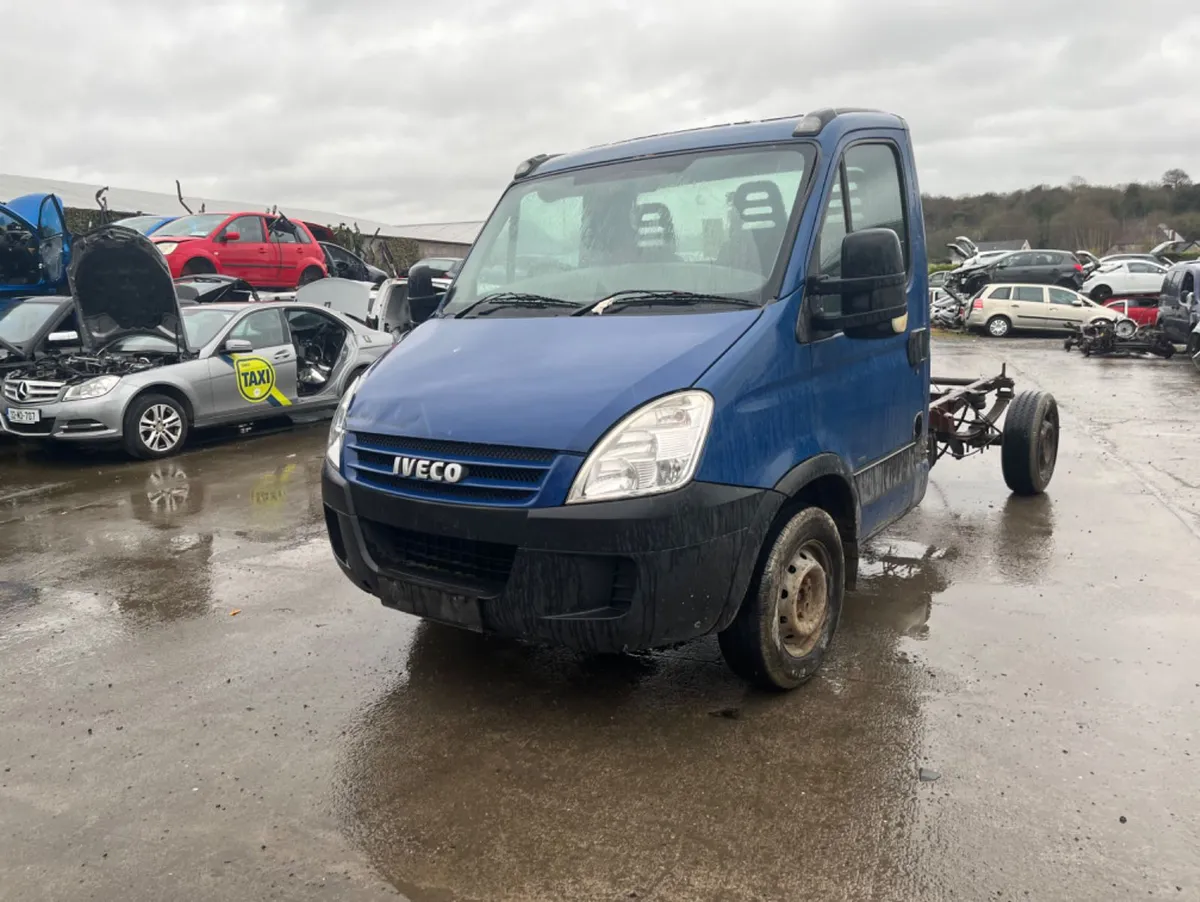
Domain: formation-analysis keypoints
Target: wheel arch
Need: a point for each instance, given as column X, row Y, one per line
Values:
column 171, row 391
column 825, row 481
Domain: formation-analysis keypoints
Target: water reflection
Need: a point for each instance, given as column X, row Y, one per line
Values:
column 492, row 770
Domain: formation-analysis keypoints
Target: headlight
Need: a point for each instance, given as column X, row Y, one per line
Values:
column 337, row 429
column 93, row 388
column 654, row 449
column 167, row 247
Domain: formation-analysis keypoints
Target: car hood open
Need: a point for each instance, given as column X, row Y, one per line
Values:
column 555, row 382
column 122, row 286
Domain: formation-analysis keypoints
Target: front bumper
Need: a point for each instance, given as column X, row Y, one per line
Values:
column 92, row 420
column 602, row 577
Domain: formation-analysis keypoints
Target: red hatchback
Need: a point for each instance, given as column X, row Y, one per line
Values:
column 266, row 251
column 1142, row 309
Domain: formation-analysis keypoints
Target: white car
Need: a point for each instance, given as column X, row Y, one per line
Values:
column 1120, row 277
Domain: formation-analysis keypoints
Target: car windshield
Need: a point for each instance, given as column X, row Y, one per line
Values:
column 21, row 320
column 139, row 223
column 197, row 226
column 201, row 324
column 711, row 222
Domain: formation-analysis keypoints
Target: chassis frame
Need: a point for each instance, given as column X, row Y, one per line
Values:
column 964, row 413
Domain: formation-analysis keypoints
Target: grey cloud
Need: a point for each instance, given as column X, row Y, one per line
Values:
column 406, row 112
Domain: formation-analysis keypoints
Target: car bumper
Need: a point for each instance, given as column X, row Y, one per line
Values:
column 601, row 577
column 92, row 420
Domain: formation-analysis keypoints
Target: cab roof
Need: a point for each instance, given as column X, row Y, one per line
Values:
column 833, row 124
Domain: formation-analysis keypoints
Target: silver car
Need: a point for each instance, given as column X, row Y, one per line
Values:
column 146, row 371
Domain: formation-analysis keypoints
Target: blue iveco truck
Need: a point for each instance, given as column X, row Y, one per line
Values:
column 675, row 386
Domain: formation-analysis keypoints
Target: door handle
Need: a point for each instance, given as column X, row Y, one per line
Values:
column 283, row 355
column 262, row 250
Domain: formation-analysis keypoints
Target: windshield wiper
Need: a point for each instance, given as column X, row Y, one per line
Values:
column 632, row 297
column 503, row 299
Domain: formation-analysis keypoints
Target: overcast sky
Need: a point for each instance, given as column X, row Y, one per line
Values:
column 408, row 112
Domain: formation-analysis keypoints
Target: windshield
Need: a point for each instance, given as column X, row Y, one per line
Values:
column 139, row 223
column 711, row 222
column 201, row 324
column 198, row 226
column 22, row 320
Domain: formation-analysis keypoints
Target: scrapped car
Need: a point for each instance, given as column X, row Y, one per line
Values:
column 147, row 225
column 35, row 246
column 150, row 368
column 346, row 264
column 1039, row 267
column 211, row 288
column 267, row 251
column 1178, row 312
column 1001, row 309
column 1124, row 277
column 1142, row 309
column 33, row 326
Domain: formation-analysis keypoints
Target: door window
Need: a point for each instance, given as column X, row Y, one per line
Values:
column 1145, row 268
column 1014, row 260
column 1001, row 294
column 1063, row 297
column 249, row 229
column 1029, row 293
column 263, row 329
column 870, row 180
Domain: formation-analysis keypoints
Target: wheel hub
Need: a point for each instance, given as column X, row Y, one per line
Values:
column 803, row 603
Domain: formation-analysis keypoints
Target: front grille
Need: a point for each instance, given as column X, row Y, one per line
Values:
column 481, row 566
column 31, row 391
column 494, row 475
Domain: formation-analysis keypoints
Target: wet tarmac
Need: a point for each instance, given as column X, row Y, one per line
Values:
column 195, row 704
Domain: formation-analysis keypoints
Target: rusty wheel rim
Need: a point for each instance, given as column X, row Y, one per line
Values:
column 1047, row 450
column 802, row 601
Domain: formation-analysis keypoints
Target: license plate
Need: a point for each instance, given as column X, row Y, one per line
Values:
column 24, row 415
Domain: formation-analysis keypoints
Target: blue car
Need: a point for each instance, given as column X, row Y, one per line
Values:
column 673, row 388
column 35, row 246
column 147, row 225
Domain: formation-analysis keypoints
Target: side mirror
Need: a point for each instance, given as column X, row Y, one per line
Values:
column 1077, row 303
column 231, row 236
column 871, row 288
column 238, row 346
column 58, row 338
column 1189, row 299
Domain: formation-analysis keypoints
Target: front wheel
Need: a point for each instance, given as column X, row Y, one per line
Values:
column 785, row 624
column 1029, row 447
column 999, row 326
column 155, row 426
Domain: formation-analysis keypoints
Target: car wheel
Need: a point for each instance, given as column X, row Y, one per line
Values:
column 1029, row 444
column 791, row 610
column 1101, row 293
column 350, row 379
column 999, row 326
column 196, row 266
column 155, row 426
column 311, row 274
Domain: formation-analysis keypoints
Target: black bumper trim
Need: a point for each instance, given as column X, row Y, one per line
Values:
column 607, row 576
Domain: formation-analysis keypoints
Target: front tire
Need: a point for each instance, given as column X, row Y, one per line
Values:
column 155, row 426
column 791, row 610
column 1029, row 447
column 999, row 326
column 197, row 266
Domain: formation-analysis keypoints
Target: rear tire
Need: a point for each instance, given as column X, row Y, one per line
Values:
column 999, row 326
column 311, row 274
column 791, row 610
column 197, row 266
column 1029, row 447
column 1101, row 293
column 155, row 426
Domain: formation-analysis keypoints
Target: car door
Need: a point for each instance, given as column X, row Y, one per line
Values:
column 1013, row 268
column 1029, row 307
column 1067, row 309
column 242, row 248
column 53, row 247
column 873, row 394
column 1145, row 277
column 253, row 371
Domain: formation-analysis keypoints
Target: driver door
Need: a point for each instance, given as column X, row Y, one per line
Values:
column 248, row 256
column 53, row 248
column 255, row 383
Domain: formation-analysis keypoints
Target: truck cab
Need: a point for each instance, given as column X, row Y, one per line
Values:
column 675, row 385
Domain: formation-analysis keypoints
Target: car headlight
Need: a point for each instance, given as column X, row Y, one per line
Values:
column 654, row 449
column 93, row 388
column 167, row 247
column 337, row 429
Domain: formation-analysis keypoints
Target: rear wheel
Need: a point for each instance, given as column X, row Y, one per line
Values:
column 155, row 426
column 1029, row 448
column 196, row 266
column 782, row 631
column 999, row 326
column 311, row 275
column 1101, row 293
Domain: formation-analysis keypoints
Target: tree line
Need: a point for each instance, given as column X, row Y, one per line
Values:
column 1075, row 216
